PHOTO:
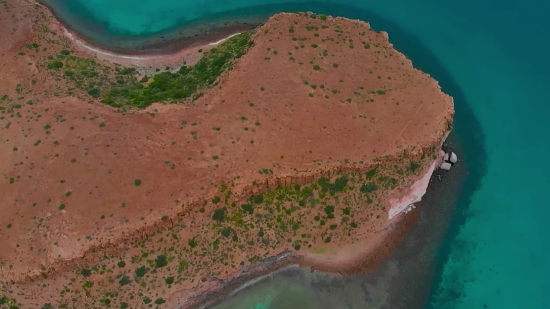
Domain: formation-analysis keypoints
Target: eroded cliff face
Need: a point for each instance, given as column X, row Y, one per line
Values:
column 301, row 147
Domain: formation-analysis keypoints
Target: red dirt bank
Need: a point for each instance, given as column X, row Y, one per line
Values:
column 312, row 97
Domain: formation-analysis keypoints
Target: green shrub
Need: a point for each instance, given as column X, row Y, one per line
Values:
column 85, row 272
column 413, row 166
column 371, row 173
column 127, row 71
column 192, row 242
column 183, row 264
column 339, row 184
column 226, row 231
column 368, row 187
column 141, row 271
column 329, row 209
column 124, row 281
column 55, row 64
column 93, row 92
column 88, row 284
column 219, row 215
column 258, row 199
column 186, row 83
column 161, row 261
column 247, row 208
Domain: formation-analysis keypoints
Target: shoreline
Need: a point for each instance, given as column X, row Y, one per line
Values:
column 164, row 54
column 365, row 261
column 146, row 64
column 215, row 290
column 158, row 45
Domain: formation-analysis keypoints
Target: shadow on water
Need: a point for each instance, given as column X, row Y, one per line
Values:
column 468, row 141
column 415, row 268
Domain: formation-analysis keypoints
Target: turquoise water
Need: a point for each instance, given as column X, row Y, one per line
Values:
column 490, row 54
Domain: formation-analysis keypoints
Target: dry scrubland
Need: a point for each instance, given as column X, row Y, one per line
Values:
column 297, row 146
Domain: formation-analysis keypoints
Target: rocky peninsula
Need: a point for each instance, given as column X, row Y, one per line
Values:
column 132, row 182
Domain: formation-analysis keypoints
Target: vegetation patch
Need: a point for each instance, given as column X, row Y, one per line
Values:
column 121, row 88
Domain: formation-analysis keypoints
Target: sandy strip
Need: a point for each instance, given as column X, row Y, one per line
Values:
column 219, row 41
column 146, row 64
column 80, row 43
column 100, row 52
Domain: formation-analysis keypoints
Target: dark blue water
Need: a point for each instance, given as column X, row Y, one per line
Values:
column 491, row 56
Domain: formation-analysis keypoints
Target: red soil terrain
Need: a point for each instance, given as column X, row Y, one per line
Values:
column 85, row 189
